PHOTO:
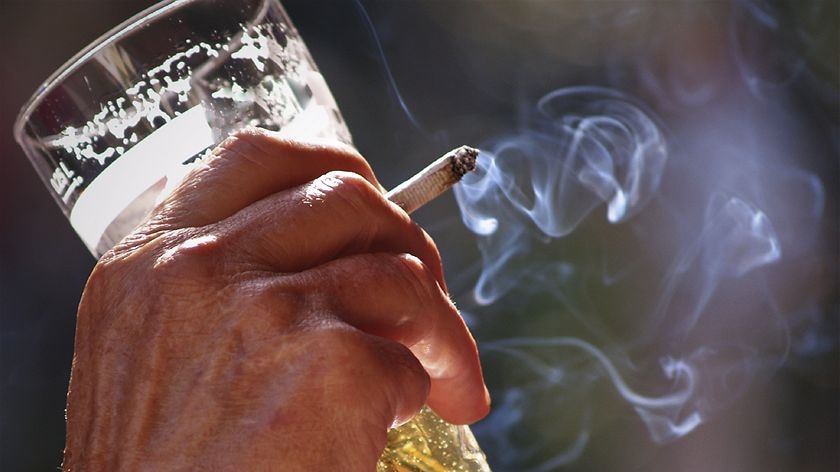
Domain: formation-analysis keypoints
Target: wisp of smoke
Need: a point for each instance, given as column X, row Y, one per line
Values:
column 588, row 146
column 630, row 267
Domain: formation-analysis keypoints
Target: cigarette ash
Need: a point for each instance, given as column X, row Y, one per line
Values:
column 463, row 160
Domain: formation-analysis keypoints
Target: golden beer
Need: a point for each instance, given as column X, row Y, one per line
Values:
column 429, row 444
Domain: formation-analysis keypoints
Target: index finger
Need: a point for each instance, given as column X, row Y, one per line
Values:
column 335, row 215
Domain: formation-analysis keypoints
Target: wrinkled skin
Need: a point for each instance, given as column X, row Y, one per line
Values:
column 274, row 313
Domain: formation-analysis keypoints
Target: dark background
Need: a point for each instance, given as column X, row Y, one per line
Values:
column 465, row 69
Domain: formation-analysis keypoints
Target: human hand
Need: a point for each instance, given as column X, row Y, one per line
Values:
column 274, row 313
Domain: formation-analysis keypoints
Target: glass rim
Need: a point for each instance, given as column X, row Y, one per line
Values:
column 74, row 63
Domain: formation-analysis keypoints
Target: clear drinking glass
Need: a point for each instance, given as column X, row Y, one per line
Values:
column 120, row 124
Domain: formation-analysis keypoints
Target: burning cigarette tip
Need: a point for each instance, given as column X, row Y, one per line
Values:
column 436, row 178
column 463, row 160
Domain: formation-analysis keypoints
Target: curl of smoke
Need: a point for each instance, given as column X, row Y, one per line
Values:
column 659, row 412
column 735, row 239
column 731, row 208
column 588, row 146
column 755, row 29
column 591, row 146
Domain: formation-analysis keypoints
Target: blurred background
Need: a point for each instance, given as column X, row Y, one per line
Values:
column 649, row 254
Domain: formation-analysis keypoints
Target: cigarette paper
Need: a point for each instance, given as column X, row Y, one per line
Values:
column 436, row 178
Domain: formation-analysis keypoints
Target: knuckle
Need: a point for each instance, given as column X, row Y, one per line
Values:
column 252, row 313
column 415, row 271
column 419, row 284
column 284, row 302
column 240, row 143
column 249, row 145
column 415, row 276
column 244, row 139
column 104, row 273
column 187, row 256
column 350, row 194
column 349, row 182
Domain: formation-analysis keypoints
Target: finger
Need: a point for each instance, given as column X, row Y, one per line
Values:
column 398, row 298
column 335, row 215
column 383, row 373
column 409, row 382
column 248, row 166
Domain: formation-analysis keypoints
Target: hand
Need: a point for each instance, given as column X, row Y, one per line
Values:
column 276, row 312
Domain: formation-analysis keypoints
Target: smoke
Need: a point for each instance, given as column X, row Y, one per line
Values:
column 701, row 201
column 652, row 247
column 713, row 323
column 586, row 146
column 735, row 239
column 660, row 413
column 386, row 68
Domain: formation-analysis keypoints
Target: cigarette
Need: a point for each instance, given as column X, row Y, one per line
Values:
column 436, row 178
